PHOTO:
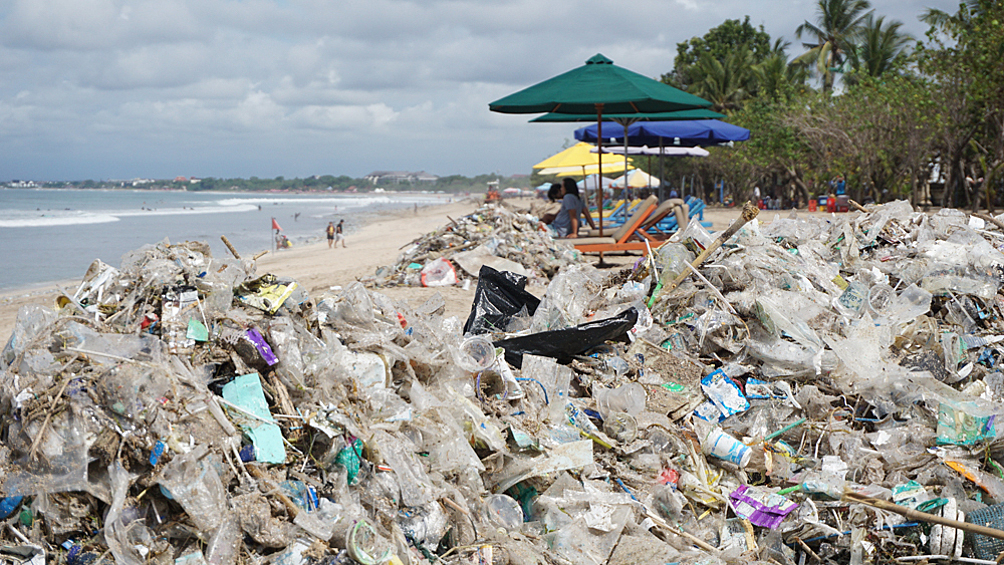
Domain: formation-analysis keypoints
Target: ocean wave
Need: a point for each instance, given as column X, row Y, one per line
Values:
column 184, row 211
column 349, row 202
column 27, row 220
column 48, row 221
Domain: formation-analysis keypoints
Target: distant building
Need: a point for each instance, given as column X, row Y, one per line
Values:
column 398, row 177
column 180, row 179
column 23, row 184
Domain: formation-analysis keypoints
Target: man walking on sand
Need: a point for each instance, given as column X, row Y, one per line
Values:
column 330, row 232
column 338, row 234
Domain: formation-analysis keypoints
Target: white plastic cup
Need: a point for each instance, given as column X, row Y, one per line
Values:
column 724, row 446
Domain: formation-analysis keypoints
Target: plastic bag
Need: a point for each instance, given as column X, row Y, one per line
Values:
column 122, row 534
column 194, row 483
column 564, row 344
column 499, row 297
column 439, row 273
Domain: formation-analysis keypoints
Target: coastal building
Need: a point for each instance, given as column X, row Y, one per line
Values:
column 23, row 184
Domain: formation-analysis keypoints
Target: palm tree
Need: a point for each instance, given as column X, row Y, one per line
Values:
column 880, row 47
column 837, row 23
column 943, row 20
column 776, row 77
column 727, row 83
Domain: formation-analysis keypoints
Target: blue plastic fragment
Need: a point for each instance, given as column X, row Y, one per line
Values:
column 247, row 453
column 158, row 450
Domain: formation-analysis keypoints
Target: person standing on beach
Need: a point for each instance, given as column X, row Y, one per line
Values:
column 330, row 232
column 338, row 234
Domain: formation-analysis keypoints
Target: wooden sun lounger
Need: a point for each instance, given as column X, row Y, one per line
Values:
column 619, row 239
column 674, row 206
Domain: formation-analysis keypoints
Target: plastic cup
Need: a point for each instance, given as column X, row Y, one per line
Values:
column 629, row 398
column 724, row 446
column 503, row 512
column 880, row 296
column 621, row 426
column 476, row 354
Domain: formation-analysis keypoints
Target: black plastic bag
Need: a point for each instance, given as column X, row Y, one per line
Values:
column 564, row 344
column 500, row 296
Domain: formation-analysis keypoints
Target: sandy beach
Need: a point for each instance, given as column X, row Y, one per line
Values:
column 378, row 243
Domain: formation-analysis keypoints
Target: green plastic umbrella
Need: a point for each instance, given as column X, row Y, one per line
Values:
column 598, row 83
column 598, row 86
column 701, row 114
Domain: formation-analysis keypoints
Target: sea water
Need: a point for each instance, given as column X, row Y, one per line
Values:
column 49, row 235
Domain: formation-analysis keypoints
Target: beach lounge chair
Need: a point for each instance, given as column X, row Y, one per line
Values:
column 670, row 223
column 623, row 209
column 675, row 206
column 621, row 238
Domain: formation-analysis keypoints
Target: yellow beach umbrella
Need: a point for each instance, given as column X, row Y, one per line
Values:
column 586, row 171
column 577, row 160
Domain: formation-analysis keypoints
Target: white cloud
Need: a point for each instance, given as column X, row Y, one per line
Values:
column 103, row 88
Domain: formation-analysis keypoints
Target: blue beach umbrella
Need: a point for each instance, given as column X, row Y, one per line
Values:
column 687, row 133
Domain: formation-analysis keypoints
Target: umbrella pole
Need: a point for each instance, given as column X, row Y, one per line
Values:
column 599, row 161
column 649, row 179
column 662, row 169
column 624, row 125
column 599, row 183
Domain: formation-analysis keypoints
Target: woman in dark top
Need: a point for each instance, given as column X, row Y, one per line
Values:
column 566, row 223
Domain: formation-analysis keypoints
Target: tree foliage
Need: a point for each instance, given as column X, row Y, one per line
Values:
column 716, row 45
column 905, row 113
column 832, row 36
column 880, row 48
column 965, row 62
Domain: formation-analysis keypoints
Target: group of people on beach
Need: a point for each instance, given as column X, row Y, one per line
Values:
column 566, row 209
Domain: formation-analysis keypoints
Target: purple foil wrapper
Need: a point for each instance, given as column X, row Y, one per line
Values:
column 760, row 507
column 262, row 346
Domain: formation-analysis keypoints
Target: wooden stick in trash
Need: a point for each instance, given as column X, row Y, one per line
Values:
column 924, row 516
column 750, row 212
column 991, row 219
column 857, row 206
column 682, row 533
column 230, row 246
column 291, row 506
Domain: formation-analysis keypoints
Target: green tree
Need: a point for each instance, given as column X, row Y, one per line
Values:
column 837, row 23
column 718, row 43
column 963, row 61
column 726, row 83
column 881, row 48
column 777, row 78
column 776, row 152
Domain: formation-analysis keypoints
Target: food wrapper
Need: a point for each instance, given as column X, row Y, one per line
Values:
column 762, row 508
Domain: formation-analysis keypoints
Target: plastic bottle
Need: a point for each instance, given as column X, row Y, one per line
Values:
column 671, row 259
column 719, row 444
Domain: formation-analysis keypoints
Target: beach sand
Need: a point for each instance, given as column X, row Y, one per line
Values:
column 377, row 243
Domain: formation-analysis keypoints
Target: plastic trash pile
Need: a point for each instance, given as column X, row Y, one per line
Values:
column 815, row 393
column 492, row 235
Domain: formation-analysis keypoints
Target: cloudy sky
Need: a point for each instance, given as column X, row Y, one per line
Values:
column 113, row 89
